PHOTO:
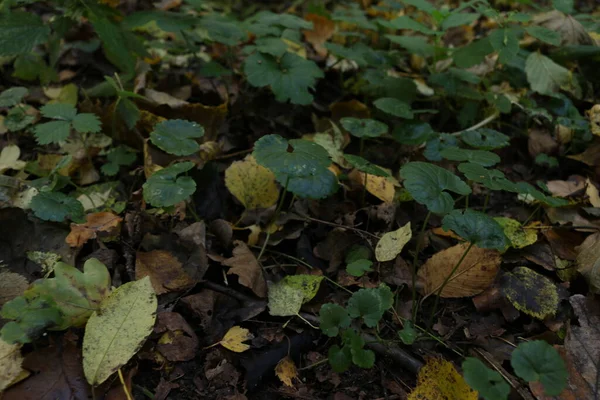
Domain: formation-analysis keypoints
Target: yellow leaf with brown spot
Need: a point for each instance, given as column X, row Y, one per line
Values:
column 438, row 379
column 392, row 243
column 234, row 338
column 252, row 184
column 286, row 371
column 379, row 186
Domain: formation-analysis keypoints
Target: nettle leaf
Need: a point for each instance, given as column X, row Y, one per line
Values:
column 478, row 228
column 394, row 107
column 289, row 77
column 13, row 96
column 365, row 165
column 413, row 133
column 165, row 189
column 370, row 304
column 490, row 178
column 364, row 127
column 428, row 184
column 359, row 267
column 485, row 139
column 340, row 359
column 56, row 206
column 21, row 32
column 360, row 357
column 332, row 318
column 489, row 383
column 530, row 292
column 544, row 34
column 176, row 136
column 459, row 19
column 547, row 77
column 86, row 122
column 506, row 43
column 117, row 157
column 52, row 132
column 482, row 157
column 473, row 53
column 538, row 361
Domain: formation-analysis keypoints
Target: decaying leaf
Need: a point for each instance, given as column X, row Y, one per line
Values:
column 11, row 286
column 381, row 187
column 438, row 379
column 9, row 158
column 245, row 265
column 530, row 292
column 287, row 296
column 178, row 341
column 518, row 235
column 252, row 184
column 164, row 269
column 594, row 116
column 392, row 243
column 234, row 338
column 475, row 274
column 323, row 29
column 10, row 364
column 102, row 224
column 588, row 261
column 286, row 371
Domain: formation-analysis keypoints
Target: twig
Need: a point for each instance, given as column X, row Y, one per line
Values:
column 320, row 221
column 479, row 124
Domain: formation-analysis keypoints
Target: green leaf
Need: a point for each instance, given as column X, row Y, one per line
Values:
column 332, row 318
column 29, row 319
column 428, row 184
column 60, row 111
column 52, row 132
column 414, row 44
column 289, row 21
column 545, row 160
column 176, row 136
column 485, row 139
column 117, row 157
column 527, row 190
column 544, row 34
column 16, row 119
column 413, row 133
column 86, row 122
column 114, row 42
column 545, row 76
column 406, row 22
column 364, row 127
column 55, row 206
column 318, row 186
column 478, row 228
column 21, row 32
column 164, row 188
column 13, row 96
column 273, row 46
column 357, row 252
column 482, row 157
column 473, row 53
column 354, row 53
column 530, row 292
column 459, row 19
column 129, row 112
column 506, row 43
column 290, row 77
column 437, row 144
column 489, row 383
column 359, row 267
column 408, row 334
column 566, row 6
column 222, row 30
column 538, row 361
column 370, row 304
column 361, row 357
column 394, row 107
column 365, row 165
column 492, row 179
column 422, row 5
column 340, row 359
column 30, row 67
column 287, row 296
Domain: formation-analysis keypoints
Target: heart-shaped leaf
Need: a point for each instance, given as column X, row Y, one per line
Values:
column 365, row 165
column 56, row 206
column 176, row 136
column 538, row 361
column 165, row 189
column 413, row 133
column 364, row 127
column 490, row 178
column 476, row 227
column 359, row 267
column 394, row 107
column 489, row 383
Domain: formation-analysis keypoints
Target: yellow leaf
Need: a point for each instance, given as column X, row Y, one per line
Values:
column 9, row 158
column 234, row 337
column 381, row 187
column 392, row 243
column 592, row 193
column 519, row 236
column 286, row 371
column 594, row 116
column 10, row 364
column 252, row 184
column 530, row 292
column 116, row 331
column 438, row 379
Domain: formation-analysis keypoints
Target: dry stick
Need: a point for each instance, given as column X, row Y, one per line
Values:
column 479, row 124
column 320, row 221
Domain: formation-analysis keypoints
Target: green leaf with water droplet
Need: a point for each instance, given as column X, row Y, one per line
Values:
column 164, row 188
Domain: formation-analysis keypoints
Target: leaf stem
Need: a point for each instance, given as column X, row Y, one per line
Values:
column 414, row 267
column 127, row 394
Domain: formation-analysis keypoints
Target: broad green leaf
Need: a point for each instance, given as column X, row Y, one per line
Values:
column 365, row 166
column 117, row 157
column 506, row 43
column 30, row 67
column 287, row 296
column 318, row 186
column 56, row 206
column 422, row 5
column 485, row 139
column 459, row 19
column 489, row 383
column 476, row 227
column 545, row 76
column 394, row 107
column 273, row 46
column 492, row 179
column 482, row 157
column 527, row 190
column 222, row 30
column 413, row 133
column 285, row 20
column 501, row 102
column 414, row 44
column 428, row 184
column 290, row 77
column 117, row 331
column 114, row 42
column 52, row 132
column 437, row 144
column 21, row 32
column 538, row 361
column 370, row 304
column 165, row 20
column 86, row 122
column 129, row 112
column 566, row 6
column 406, row 22
column 408, row 334
column 530, row 292
column 355, row 53
column 359, row 267
column 340, row 359
column 358, row 252
column 332, row 318
column 29, row 319
column 251, row 184
column 176, row 136
column 544, row 34
column 364, row 127
column 545, row 160
column 517, row 235
column 164, row 188
column 473, row 53
column 295, row 157
column 360, row 357
column 392, row 243
column 13, row 96
column 61, row 111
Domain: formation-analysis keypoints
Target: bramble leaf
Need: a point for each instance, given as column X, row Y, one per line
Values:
column 52, row 132
column 332, row 318
column 60, row 111
column 86, row 122
column 21, row 32
column 164, row 188
column 538, row 361
column 476, row 227
column 176, row 136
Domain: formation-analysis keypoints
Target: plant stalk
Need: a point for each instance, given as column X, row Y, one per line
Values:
column 414, row 267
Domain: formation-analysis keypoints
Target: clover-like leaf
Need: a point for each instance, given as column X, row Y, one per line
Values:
column 13, row 96
column 428, row 185
column 164, row 188
column 176, row 136
column 359, row 267
column 538, row 361
column 394, row 107
column 485, row 139
column 481, row 157
column 340, row 358
column 117, row 157
column 364, row 127
column 478, row 228
column 489, row 383
column 332, row 318
column 56, row 206
column 370, row 304
column 490, row 178
column 366, row 166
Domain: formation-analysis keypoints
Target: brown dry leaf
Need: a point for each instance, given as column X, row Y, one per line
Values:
column 588, row 261
column 10, row 364
column 381, row 187
column 592, row 193
column 566, row 188
column 571, row 30
column 323, row 29
column 234, row 338
column 438, row 379
column 352, row 108
column 439, row 231
column 164, row 269
column 246, row 267
column 286, row 371
column 475, row 274
column 540, row 141
column 178, row 341
column 101, row 224
column 591, row 155
column 11, row 286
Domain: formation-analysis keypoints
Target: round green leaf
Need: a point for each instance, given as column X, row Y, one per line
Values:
column 476, row 227
column 364, row 165
column 481, row 157
column 413, row 133
column 164, row 188
column 394, row 107
column 318, row 186
column 490, row 178
column 176, row 136
column 361, row 357
column 485, row 139
column 357, row 252
column 340, row 359
column 530, row 292
column 370, row 304
column 489, row 383
column 359, row 267
column 56, row 206
column 408, row 334
column 332, row 318
column 13, row 96
column 364, row 127
column 538, row 361
column 428, row 183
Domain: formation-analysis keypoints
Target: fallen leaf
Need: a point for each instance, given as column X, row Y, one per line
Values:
column 571, row 31
column 101, row 224
column 540, row 141
column 246, row 267
column 10, row 364
column 594, row 116
column 164, row 269
column 352, row 108
column 117, row 331
column 475, row 274
column 566, row 188
column 381, row 187
column 252, row 184
column 9, row 158
column 518, row 235
column 286, row 371
column 234, row 338
column 530, row 292
column 287, row 296
column 588, row 261
column 591, row 154
column 11, row 286
column 323, row 29
column 438, row 379
column 178, row 341
column 392, row 243
column 592, row 193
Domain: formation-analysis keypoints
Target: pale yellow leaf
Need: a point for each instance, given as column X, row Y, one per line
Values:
column 286, row 371
column 438, row 379
column 592, row 193
column 392, row 243
column 10, row 364
column 252, row 184
column 9, row 158
column 594, row 116
column 381, row 187
column 234, row 338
